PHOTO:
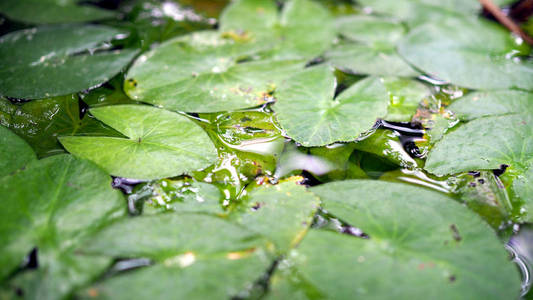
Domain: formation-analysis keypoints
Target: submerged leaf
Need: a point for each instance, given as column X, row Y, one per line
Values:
column 307, row 110
column 58, row 60
column 159, row 143
column 416, row 237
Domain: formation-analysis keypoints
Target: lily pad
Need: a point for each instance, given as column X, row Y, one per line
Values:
column 405, row 96
column 417, row 237
column 58, row 60
column 52, row 11
column 484, row 144
column 523, row 187
column 201, row 73
column 185, row 277
column 169, row 235
column 63, row 200
column 159, row 143
column 468, row 52
column 282, row 213
column 303, row 30
column 15, row 152
column 310, row 114
column 373, row 50
column 492, row 103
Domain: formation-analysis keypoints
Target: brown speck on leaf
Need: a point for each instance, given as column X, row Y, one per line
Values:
column 455, row 232
column 93, row 293
column 452, row 278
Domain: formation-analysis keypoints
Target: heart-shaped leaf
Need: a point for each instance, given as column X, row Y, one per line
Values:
column 58, row 60
column 307, row 110
column 159, row 143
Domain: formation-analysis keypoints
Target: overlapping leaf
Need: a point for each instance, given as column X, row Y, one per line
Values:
column 468, row 52
column 373, row 47
column 159, row 143
column 492, row 103
column 15, row 152
column 57, row 60
column 417, row 237
column 63, row 199
column 307, row 110
column 484, row 143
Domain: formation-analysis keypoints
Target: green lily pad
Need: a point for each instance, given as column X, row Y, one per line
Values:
column 308, row 112
column 63, row 200
column 168, row 235
column 15, row 152
column 185, row 277
column 492, row 103
column 201, row 73
column 57, row 276
column 159, row 143
column 523, row 187
column 417, row 237
column 303, row 30
column 373, row 50
column 282, row 213
column 58, row 60
column 471, row 53
column 484, row 144
column 52, row 11
column 41, row 121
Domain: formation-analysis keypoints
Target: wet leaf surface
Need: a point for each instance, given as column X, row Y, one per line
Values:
column 52, row 11
column 469, row 52
column 492, row 103
column 16, row 153
column 307, row 110
column 58, row 60
column 416, row 237
column 159, row 143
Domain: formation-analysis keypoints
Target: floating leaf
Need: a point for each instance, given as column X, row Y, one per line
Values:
column 471, row 53
column 15, row 153
column 63, row 199
column 58, row 60
column 417, row 237
column 281, row 212
column 484, row 144
column 303, row 30
column 523, row 187
column 492, row 103
column 159, row 143
column 185, row 277
column 51, row 11
column 201, row 73
column 168, row 235
column 373, row 50
column 41, row 121
column 308, row 112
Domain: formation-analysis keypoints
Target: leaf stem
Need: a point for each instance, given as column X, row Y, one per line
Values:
column 505, row 20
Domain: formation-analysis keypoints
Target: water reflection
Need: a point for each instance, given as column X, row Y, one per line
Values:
column 521, row 248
